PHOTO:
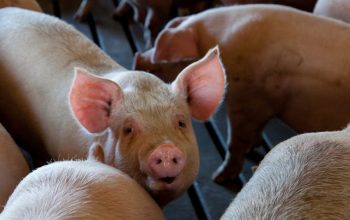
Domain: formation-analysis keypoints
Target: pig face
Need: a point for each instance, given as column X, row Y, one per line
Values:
column 144, row 125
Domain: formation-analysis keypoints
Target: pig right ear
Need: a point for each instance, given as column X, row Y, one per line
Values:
column 174, row 45
column 91, row 100
column 202, row 84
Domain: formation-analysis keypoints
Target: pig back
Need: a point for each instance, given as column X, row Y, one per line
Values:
column 306, row 177
column 80, row 190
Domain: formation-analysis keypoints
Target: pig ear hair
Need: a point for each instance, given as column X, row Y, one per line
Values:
column 96, row 153
column 174, row 45
column 203, row 83
column 91, row 100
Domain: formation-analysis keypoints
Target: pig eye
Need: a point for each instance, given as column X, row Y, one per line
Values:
column 128, row 130
column 182, row 124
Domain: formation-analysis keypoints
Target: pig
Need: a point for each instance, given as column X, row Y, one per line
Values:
column 152, row 14
column 65, row 93
column 277, row 66
column 12, row 164
column 25, row 4
column 304, row 177
column 306, row 5
column 85, row 189
column 338, row 9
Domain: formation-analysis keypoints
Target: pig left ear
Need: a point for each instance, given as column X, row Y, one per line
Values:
column 203, row 83
column 91, row 100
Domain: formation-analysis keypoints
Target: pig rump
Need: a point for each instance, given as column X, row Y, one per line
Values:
column 306, row 177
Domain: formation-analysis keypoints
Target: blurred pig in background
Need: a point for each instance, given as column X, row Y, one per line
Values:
column 13, row 166
column 338, row 9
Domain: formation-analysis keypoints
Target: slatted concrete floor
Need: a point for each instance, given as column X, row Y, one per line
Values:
column 112, row 38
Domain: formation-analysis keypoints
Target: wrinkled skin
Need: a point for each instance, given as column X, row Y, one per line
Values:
column 338, row 9
column 275, row 68
column 305, row 177
column 65, row 93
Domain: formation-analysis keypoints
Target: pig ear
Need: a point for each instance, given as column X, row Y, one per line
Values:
column 91, row 100
column 174, row 45
column 96, row 153
column 203, row 83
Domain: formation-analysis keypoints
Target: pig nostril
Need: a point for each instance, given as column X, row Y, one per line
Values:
column 175, row 160
column 158, row 161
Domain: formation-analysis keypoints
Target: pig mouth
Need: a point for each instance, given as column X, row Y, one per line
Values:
column 162, row 183
column 167, row 180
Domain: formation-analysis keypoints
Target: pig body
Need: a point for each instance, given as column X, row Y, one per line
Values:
column 54, row 106
column 276, row 66
column 80, row 190
column 338, row 9
column 13, row 166
column 305, row 177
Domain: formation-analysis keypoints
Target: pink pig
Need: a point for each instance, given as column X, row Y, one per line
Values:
column 65, row 93
column 305, row 177
column 80, row 190
column 276, row 66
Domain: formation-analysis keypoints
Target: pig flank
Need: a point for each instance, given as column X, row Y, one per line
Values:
column 277, row 66
column 305, row 177
column 79, row 190
column 67, row 93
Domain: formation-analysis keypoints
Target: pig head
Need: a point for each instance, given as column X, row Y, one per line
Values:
column 145, row 125
column 263, row 76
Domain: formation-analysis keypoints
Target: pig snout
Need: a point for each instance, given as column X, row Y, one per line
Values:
column 166, row 162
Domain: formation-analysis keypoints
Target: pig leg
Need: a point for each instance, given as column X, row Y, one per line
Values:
column 248, row 115
column 84, row 9
column 13, row 166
